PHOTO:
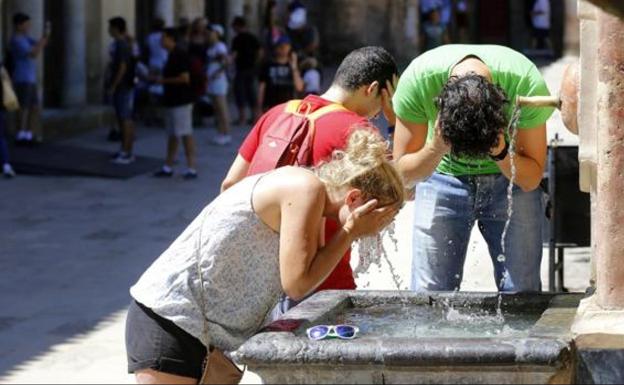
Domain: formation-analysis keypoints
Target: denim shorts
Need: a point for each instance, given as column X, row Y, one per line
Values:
column 153, row 342
column 123, row 102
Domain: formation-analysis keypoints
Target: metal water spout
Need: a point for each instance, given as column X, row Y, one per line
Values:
column 566, row 100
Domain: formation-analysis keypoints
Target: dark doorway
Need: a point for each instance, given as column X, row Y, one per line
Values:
column 493, row 22
column 53, row 62
column 216, row 11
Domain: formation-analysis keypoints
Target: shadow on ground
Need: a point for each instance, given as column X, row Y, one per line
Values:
column 72, row 247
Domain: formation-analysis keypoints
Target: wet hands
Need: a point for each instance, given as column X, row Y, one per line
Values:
column 438, row 144
column 368, row 220
column 499, row 147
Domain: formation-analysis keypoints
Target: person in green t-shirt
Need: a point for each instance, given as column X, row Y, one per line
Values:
column 453, row 106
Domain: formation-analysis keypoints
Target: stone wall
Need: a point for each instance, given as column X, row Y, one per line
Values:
column 349, row 24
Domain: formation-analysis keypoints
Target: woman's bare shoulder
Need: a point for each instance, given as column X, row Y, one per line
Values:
column 299, row 182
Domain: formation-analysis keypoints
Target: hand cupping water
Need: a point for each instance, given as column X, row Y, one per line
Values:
column 368, row 220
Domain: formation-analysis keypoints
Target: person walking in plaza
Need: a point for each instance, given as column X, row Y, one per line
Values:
column 23, row 52
column 280, row 79
column 434, row 33
column 245, row 55
column 214, row 287
column 120, row 87
column 217, row 59
column 453, row 106
column 361, row 89
column 156, row 59
column 178, row 102
column 540, row 22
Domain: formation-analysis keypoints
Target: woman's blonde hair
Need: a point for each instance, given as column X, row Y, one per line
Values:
column 364, row 165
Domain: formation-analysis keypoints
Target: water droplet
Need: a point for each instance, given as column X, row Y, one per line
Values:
column 450, row 242
column 456, row 276
column 501, row 258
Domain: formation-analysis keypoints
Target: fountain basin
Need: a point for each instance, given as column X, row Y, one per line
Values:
column 420, row 338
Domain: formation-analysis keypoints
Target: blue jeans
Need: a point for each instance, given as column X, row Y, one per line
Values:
column 446, row 209
column 123, row 102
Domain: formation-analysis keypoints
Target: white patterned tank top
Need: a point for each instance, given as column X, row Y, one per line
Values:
column 238, row 256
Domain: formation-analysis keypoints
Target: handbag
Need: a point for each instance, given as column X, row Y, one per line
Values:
column 217, row 369
column 9, row 99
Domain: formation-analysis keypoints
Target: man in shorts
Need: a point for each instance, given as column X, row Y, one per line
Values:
column 23, row 51
column 178, row 102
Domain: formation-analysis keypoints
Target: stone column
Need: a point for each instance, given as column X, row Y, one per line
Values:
column 74, row 92
column 610, row 179
column 164, row 10
column 587, row 115
column 234, row 8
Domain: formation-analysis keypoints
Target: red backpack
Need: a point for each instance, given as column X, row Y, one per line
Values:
column 288, row 141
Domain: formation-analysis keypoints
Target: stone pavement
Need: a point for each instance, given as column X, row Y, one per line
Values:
column 71, row 248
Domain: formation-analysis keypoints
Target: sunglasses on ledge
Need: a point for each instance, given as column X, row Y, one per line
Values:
column 343, row 332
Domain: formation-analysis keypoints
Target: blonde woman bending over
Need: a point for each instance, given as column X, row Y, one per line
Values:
column 217, row 283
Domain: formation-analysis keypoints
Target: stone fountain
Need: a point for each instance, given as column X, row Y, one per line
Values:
column 435, row 338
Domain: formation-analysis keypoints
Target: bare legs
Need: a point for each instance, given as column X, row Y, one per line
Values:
column 189, row 150
column 127, row 135
column 222, row 114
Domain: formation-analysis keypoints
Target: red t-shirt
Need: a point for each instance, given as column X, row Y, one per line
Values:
column 332, row 132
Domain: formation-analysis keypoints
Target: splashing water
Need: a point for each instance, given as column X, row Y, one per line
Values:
column 372, row 251
column 511, row 130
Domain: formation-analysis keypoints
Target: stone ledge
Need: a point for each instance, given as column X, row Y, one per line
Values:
column 592, row 319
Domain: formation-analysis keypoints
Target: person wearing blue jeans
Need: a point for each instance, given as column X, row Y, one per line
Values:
column 456, row 133
column 447, row 208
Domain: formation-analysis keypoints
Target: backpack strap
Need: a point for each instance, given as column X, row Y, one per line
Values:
column 325, row 110
column 292, row 107
column 319, row 113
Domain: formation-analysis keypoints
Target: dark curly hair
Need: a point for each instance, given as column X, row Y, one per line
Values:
column 472, row 115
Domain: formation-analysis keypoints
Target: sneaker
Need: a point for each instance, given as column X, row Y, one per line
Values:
column 190, row 174
column 124, row 159
column 222, row 140
column 114, row 136
column 21, row 138
column 164, row 172
column 7, row 171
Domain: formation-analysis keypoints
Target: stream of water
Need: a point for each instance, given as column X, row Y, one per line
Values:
column 511, row 130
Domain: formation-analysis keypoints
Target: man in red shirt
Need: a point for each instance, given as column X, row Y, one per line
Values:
column 363, row 85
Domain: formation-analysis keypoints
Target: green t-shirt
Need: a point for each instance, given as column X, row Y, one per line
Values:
column 422, row 82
